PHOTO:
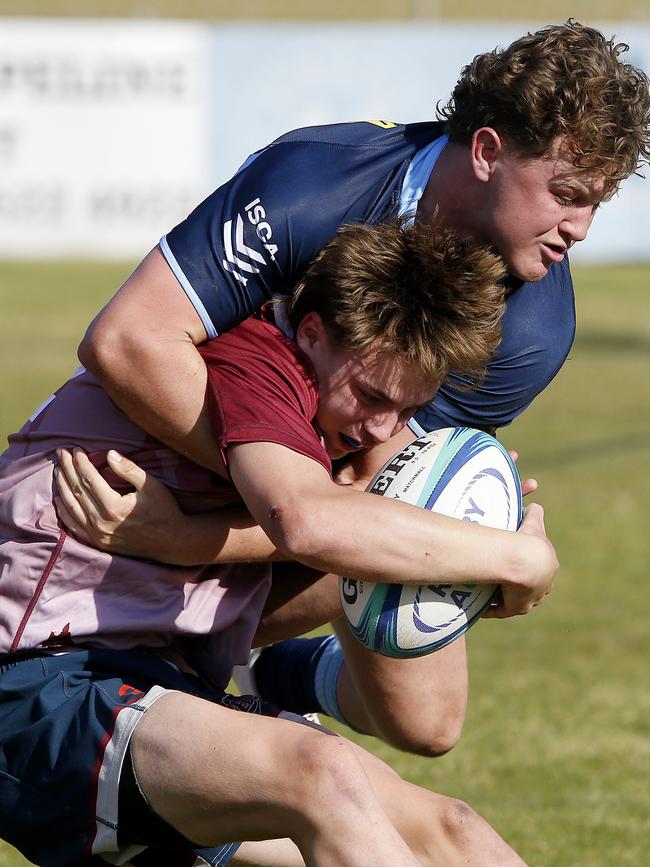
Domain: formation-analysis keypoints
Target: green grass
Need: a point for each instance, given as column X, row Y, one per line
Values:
column 45, row 311
column 557, row 742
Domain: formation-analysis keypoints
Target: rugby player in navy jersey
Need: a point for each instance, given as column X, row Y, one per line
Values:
column 533, row 140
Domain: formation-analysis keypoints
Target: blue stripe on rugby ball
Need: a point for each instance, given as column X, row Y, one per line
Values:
column 386, row 635
column 366, row 630
column 461, row 445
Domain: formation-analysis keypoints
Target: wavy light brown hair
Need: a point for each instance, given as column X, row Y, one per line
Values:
column 421, row 293
column 565, row 80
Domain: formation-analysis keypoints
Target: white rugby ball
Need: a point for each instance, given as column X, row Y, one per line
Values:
column 459, row 472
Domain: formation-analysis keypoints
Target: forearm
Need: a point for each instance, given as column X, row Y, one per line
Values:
column 368, row 538
column 448, row 561
column 337, row 529
column 224, row 536
column 148, row 522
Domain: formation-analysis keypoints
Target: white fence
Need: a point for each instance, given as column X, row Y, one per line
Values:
column 111, row 131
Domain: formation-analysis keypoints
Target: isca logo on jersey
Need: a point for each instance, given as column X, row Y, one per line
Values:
column 240, row 258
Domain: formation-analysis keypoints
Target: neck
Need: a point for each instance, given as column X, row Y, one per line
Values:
column 452, row 195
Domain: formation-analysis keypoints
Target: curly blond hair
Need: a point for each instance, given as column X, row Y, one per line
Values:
column 421, row 293
column 564, row 81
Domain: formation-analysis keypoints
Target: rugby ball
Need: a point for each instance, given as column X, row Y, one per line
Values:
column 459, row 472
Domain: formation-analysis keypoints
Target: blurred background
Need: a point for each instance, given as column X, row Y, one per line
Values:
column 116, row 118
column 111, row 129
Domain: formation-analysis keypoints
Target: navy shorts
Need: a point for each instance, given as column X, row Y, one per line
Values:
column 65, row 727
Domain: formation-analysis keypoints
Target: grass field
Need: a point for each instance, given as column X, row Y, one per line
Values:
column 557, row 744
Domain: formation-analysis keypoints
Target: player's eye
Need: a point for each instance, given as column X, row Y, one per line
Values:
column 368, row 397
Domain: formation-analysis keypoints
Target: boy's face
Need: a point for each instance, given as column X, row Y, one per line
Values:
column 364, row 397
column 534, row 210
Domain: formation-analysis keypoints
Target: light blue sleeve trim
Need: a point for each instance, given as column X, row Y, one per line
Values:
column 417, row 176
column 280, row 316
column 416, row 427
column 187, row 287
column 248, row 161
column 81, row 369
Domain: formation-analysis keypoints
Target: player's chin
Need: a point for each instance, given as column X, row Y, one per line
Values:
column 334, row 449
column 531, row 271
column 527, row 265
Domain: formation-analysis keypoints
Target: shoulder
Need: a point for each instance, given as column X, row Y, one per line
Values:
column 372, row 134
column 265, row 361
column 258, row 232
column 262, row 388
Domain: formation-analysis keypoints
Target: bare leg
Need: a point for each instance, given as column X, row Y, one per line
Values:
column 219, row 775
column 417, row 705
column 441, row 831
column 268, row 853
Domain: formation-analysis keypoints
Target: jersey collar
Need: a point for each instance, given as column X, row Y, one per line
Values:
column 416, row 178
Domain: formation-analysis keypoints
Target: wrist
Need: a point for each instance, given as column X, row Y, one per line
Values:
column 529, row 561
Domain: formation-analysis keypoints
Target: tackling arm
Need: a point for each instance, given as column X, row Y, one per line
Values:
column 148, row 522
column 308, row 518
column 142, row 349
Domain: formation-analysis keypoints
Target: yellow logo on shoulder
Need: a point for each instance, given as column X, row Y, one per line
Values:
column 384, row 124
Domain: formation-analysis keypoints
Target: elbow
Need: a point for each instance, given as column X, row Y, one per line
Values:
column 86, row 351
column 105, row 348
column 296, row 532
column 96, row 350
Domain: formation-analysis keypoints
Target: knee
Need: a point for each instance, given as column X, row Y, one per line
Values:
column 327, row 771
column 457, row 826
column 423, row 734
column 459, row 819
column 444, row 734
column 463, row 835
column 468, row 834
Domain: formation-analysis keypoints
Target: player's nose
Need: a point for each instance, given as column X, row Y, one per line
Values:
column 575, row 226
column 380, row 428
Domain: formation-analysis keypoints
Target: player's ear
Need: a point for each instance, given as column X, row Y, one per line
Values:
column 486, row 147
column 310, row 331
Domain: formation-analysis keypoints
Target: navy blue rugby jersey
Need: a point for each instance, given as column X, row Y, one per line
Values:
column 257, row 233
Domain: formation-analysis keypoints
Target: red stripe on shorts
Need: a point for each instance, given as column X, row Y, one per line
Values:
column 38, row 591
